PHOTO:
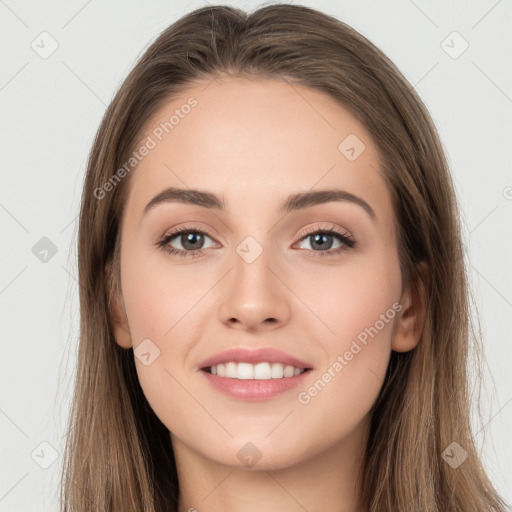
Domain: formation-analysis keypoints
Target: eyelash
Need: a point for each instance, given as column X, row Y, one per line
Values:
column 345, row 238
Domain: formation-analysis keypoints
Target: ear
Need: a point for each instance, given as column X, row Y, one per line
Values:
column 116, row 310
column 411, row 319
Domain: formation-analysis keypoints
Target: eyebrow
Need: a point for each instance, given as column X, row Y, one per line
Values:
column 297, row 201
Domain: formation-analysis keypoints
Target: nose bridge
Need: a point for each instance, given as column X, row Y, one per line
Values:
column 252, row 261
column 254, row 295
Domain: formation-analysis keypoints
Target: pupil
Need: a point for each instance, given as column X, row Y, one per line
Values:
column 191, row 239
column 320, row 240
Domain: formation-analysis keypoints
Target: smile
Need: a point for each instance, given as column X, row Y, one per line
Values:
column 259, row 371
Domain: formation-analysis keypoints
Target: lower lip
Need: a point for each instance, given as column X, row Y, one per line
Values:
column 254, row 389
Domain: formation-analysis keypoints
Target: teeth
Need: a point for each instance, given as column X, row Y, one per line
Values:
column 231, row 370
column 259, row 371
column 241, row 371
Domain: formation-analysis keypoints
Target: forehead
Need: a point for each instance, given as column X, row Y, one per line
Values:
column 249, row 140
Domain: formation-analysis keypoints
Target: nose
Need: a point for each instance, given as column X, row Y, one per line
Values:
column 254, row 296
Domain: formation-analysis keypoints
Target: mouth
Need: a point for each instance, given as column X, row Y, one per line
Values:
column 254, row 375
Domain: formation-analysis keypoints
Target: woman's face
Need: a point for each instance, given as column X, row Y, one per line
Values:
column 266, row 273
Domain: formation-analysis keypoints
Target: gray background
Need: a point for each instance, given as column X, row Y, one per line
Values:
column 50, row 109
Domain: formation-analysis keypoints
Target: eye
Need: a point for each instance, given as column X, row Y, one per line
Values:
column 322, row 239
column 190, row 238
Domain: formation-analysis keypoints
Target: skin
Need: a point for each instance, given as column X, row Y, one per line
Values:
column 244, row 141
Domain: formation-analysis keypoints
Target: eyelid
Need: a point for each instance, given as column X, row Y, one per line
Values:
column 323, row 229
column 167, row 236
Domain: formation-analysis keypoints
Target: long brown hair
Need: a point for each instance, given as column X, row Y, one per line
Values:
column 119, row 455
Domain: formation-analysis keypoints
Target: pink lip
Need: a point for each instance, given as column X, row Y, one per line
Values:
column 254, row 356
column 253, row 389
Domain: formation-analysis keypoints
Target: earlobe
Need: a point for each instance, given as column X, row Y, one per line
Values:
column 116, row 311
column 410, row 320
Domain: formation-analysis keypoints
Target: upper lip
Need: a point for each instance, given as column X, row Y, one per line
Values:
column 253, row 356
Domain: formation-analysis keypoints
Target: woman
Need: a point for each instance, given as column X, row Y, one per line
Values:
column 274, row 307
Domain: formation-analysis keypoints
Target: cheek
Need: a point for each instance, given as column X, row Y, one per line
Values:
column 362, row 314
column 350, row 299
column 358, row 307
column 162, row 306
column 159, row 298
